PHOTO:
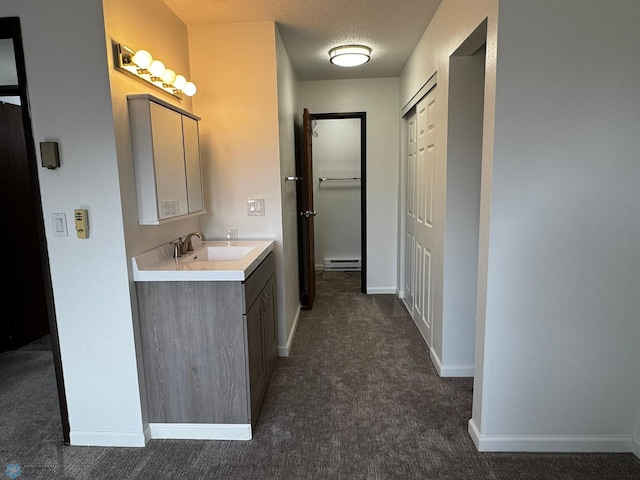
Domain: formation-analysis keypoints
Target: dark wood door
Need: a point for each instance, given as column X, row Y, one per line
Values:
column 24, row 310
column 306, row 216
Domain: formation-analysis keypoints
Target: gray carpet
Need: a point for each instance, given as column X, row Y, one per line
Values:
column 357, row 399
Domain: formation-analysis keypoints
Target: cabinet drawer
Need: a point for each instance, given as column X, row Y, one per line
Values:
column 257, row 280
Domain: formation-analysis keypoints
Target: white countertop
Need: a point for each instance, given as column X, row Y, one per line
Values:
column 158, row 264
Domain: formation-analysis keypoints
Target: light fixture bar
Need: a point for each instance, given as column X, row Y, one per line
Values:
column 349, row 55
column 142, row 65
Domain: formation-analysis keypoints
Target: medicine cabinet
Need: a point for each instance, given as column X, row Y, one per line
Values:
column 166, row 155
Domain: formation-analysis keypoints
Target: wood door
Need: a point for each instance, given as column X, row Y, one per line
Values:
column 424, row 235
column 306, row 215
column 410, row 212
column 24, row 320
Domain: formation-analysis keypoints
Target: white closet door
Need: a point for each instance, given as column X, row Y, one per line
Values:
column 424, row 235
column 410, row 212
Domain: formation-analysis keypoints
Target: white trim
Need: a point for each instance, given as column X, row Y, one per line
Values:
column 201, row 431
column 551, row 443
column 107, row 439
column 426, row 88
column 284, row 351
column 636, row 447
column 400, row 293
column 474, row 432
column 452, row 370
column 381, row 290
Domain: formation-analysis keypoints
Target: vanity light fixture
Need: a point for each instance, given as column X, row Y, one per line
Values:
column 350, row 55
column 142, row 65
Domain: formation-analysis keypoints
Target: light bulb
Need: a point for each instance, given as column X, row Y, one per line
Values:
column 142, row 58
column 189, row 89
column 156, row 68
column 169, row 76
column 179, row 82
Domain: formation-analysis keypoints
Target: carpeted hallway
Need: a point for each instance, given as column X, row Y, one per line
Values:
column 357, row 399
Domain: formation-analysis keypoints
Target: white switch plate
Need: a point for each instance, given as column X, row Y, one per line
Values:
column 59, row 224
column 255, row 206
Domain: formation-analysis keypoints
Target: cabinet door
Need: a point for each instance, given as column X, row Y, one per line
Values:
column 269, row 326
column 192, row 164
column 168, row 155
column 256, row 353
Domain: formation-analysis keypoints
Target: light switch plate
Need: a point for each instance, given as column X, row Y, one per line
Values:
column 59, row 224
column 255, row 206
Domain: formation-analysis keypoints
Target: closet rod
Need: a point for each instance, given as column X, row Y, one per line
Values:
column 324, row 179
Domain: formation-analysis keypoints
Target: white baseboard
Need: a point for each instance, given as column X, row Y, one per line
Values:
column 201, row 431
column 450, row 370
column 107, row 439
column 283, row 351
column 636, row 447
column 381, row 290
column 400, row 294
column 551, row 443
column 474, row 432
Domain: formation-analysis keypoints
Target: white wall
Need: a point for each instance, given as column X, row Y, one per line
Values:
column 379, row 99
column 464, row 162
column 90, row 277
column 561, row 331
column 336, row 153
column 452, row 24
column 288, row 124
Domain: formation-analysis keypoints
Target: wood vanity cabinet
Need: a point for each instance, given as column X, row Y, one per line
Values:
column 208, row 348
column 166, row 154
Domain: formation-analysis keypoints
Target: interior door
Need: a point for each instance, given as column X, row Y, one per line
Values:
column 424, row 235
column 24, row 321
column 306, row 215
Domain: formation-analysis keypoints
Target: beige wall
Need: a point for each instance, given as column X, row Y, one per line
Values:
column 122, row 19
column 123, row 24
column 235, row 68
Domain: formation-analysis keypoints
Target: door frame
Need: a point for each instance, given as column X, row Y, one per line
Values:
column 363, row 183
column 10, row 29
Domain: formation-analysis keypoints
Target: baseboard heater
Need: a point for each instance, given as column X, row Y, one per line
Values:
column 341, row 264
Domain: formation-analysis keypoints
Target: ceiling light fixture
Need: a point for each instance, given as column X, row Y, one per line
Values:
column 350, row 55
column 143, row 66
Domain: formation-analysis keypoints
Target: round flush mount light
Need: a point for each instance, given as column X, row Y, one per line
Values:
column 349, row 55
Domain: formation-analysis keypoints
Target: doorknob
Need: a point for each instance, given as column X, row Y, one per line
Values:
column 308, row 213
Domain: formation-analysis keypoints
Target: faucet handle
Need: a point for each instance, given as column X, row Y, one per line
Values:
column 177, row 247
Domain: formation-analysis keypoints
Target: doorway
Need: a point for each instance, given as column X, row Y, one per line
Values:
column 23, row 321
column 334, row 189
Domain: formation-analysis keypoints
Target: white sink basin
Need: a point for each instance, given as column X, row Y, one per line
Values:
column 228, row 253
column 213, row 261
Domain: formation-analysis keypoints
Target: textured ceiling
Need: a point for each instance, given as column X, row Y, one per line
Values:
column 309, row 29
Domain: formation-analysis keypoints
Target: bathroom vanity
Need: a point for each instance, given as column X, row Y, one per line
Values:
column 208, row 328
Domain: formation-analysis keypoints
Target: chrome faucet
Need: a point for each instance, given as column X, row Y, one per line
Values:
column 186, row 246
